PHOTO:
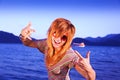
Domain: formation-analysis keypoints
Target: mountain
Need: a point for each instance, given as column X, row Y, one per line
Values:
column 80, row 40
column 6, row 37
column 108, row 40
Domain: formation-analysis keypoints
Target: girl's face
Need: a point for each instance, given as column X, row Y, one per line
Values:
column 58, row 42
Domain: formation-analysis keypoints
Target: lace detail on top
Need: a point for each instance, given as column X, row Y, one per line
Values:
column 60, row 71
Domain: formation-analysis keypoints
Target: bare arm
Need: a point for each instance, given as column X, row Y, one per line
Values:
column 84, row 68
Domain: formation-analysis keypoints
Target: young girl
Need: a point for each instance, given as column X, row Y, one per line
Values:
column 59, row 56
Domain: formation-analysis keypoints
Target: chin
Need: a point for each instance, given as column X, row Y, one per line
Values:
column 56, row 46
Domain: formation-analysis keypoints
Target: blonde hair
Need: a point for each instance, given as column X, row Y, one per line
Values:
column 59, row 26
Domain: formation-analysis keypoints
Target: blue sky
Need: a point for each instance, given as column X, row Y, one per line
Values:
column 91, row 17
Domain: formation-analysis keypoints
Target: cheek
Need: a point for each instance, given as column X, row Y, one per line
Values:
column 63, row 42
column 52, row 39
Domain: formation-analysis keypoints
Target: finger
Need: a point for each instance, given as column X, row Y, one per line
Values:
column 32, row 30
column 29, row 32
column 29, row 25
column 79, row 55
column 29, row 38
column 88, row 55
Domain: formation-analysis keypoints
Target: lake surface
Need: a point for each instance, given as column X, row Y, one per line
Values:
column 18, row 62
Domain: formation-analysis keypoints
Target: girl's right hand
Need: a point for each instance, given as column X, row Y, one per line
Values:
column 26, row 32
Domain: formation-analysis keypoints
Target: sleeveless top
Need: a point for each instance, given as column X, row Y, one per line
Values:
column 59, row 71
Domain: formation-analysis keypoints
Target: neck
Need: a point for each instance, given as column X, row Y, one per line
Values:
column 57, row 50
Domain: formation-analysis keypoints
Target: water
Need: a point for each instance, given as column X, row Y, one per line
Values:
column 18, row 62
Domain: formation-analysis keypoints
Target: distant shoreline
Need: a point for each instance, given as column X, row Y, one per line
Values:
column 109, row 40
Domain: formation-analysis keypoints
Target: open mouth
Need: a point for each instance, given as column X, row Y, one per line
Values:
column 57, row 42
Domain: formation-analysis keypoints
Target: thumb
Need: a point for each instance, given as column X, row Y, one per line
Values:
column 79, row 55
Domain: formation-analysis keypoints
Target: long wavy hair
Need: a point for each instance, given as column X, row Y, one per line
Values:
column 59, row 26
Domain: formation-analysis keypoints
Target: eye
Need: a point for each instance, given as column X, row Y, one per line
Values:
column 54, row 34
column 64, row 37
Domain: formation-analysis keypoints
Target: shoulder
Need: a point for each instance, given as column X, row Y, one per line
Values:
column 71, row 53
column 72, row 56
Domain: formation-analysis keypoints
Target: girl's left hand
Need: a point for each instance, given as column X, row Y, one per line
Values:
column 84, row 63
